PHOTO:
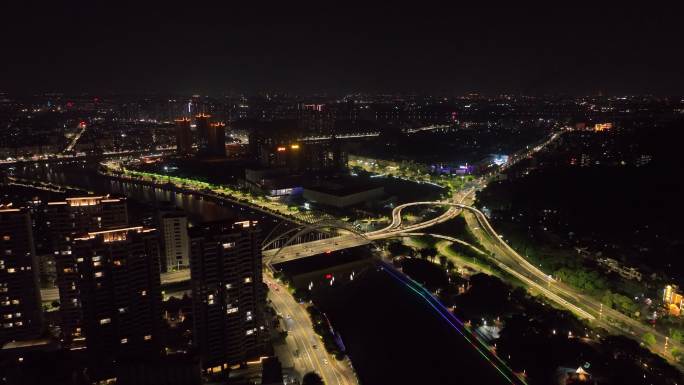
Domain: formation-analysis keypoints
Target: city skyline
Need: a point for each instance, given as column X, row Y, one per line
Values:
column 331, row 194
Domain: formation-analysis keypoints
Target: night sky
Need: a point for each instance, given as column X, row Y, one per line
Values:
column 339, row 48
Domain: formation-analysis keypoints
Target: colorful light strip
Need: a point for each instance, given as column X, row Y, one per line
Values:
column 441, row 310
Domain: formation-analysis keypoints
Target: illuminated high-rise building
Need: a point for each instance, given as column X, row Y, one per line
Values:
column 173, row 226
column 183, row 136
column 216, row 139
column 119, row 289
column 202, row 127
column 66, row 220
column 20, row 311
column 227, row 293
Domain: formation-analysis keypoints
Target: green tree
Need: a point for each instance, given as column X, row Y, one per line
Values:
column 424, row 251
column 399, row 249
column 676, row 335
column 607, row 299
column 649, row 340
column 312, row 378
column 301, row 295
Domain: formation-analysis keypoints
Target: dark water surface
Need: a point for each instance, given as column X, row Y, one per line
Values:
column 392, row 336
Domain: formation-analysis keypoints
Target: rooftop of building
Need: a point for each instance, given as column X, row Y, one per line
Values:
column 87, row 200
column 220, row 227
column 343, row 186
column 37, row 343
column 114, row 235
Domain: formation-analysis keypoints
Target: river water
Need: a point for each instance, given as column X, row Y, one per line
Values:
column 392, row 336
column 197, row 208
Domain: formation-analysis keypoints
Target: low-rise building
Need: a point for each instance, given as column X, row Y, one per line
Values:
column 673, row 300
column 614, row 266
column 343, row 193
column 274, row 182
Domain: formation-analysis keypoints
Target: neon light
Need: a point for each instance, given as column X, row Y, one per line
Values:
column 431, row 300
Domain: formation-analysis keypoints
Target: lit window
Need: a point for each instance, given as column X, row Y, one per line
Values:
column 122, row 310
column 79, row 259
column 6, row 238
column 248, row 279
column 229, row 286
column 148, row 337
column 124, row 340
column 228, row 245
column 11, row 270
column 231, row 310
column 143, row 293
column 99, row 274
column 249, row 332
column 105, row 321
column 96, row 258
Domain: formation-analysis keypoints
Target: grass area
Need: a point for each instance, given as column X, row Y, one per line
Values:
column 444, row 248
column 457, row 228
column 418, row 243
column 409, row 170
column 460, row 255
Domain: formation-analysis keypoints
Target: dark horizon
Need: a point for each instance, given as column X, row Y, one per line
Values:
column 337, row 50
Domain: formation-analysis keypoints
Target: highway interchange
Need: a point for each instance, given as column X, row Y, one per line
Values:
column 495, row 248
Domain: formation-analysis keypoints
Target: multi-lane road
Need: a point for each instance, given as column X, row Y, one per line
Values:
column 501, row 253
column 394, row 229
column 570, row 298
column 305, row 348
